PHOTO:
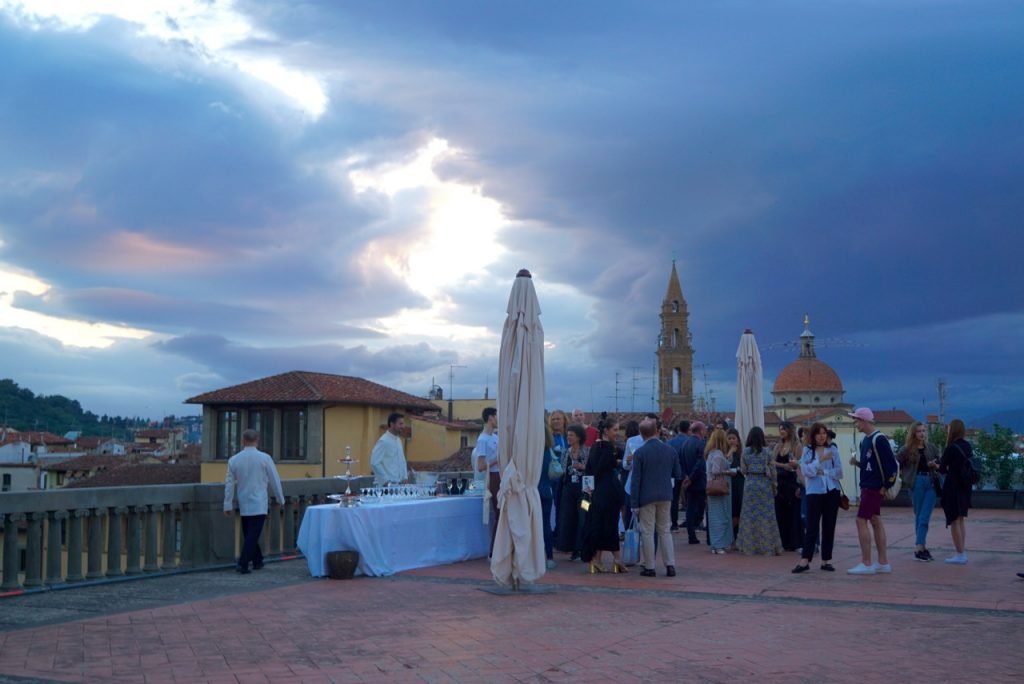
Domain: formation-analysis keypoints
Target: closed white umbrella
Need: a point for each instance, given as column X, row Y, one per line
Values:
column 749, row 398
column 518, row 554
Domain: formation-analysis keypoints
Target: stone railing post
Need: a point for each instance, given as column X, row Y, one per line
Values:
column 170, row 562
column 288, row 545
column 12, row 562
column 75, row 544
column 151, row 539
column 186, row 554
column 54, row 521
column 115, row 514
column 95, row 543
column 134, row 542
column 274, row 513
column 212, row 534
column 34, row 550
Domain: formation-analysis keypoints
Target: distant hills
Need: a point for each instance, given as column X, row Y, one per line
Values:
column 1013, row 419
column 24, row 410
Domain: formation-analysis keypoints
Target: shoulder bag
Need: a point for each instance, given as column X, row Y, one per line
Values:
column 717, row 486
column 894, row 489
column 556, row 468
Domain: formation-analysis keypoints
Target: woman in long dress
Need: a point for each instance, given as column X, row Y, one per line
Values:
column 786, row 458
column 734, row 454
column 719, row 506
column 601, row 529
column 759, row 531
column 956, row 490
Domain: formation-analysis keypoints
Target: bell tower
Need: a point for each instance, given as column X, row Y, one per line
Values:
column 675, row 355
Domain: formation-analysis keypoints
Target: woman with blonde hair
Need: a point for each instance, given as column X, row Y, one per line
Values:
column 956, row 490
column 558, row 423
column 719, row 473
column 919, row 464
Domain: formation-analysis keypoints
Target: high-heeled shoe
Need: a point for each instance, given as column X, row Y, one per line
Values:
column 619, row 569
column 596, row 569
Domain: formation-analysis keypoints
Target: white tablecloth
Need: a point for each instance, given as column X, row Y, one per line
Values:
column 397, row 536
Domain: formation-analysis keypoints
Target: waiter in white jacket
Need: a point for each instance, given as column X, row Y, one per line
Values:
column 388, row 458
column 251, row 471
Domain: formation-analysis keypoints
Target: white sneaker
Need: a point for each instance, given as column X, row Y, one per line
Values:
column 861, row 569
column 884, row 569
column 959, row 559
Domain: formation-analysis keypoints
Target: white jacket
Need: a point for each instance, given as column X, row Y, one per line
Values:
column 251, row 471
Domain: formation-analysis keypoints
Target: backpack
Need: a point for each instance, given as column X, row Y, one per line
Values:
column 970, row 472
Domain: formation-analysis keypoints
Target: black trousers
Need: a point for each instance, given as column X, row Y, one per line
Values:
column 673, row 511
column 252, row 528
column 695, row 499
column 822, row 510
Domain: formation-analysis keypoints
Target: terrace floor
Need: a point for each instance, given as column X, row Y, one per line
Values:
column 722, row 619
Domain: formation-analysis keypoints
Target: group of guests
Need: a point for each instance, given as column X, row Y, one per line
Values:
column 757, row 499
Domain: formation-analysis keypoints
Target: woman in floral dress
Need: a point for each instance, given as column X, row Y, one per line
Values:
column 759, row 529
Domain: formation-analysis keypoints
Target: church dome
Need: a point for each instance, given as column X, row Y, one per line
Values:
column 807, row 374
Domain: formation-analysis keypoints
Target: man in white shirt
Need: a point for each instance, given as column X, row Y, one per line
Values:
column 388, row 458
column 251, row 471
column 487, row 460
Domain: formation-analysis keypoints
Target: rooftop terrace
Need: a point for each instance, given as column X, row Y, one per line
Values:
column 723, row 619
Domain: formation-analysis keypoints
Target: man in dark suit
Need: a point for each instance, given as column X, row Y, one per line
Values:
column 691, row 456
column 677, row 442
column 655, row 464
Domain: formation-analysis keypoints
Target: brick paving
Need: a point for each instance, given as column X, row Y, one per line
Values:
column 723, row 619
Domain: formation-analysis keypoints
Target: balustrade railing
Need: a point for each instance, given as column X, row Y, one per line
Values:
column 49, row 537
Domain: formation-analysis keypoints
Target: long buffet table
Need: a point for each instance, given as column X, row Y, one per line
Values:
column 396, row 536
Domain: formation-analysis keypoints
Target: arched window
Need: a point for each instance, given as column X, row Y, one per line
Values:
column 675, row 337
column 675, row 306
column 677, row 375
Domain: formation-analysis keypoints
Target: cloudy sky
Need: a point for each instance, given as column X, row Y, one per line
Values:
column 196, row 193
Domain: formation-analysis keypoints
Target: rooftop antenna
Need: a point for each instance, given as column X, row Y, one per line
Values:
column 451, row 385
column 942, row 401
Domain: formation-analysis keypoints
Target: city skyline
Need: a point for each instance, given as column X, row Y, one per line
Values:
column 194, row 195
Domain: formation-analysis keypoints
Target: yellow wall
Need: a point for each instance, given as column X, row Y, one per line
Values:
column 465, row 409
column 358, row 427
column 216, row 471
column 434, row 441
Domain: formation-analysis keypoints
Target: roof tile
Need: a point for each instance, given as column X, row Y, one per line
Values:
column 308, row 387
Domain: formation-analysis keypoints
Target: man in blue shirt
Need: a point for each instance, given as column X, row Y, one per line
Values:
column 878, row 472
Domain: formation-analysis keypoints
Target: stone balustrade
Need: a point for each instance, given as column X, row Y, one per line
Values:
column 133, row 531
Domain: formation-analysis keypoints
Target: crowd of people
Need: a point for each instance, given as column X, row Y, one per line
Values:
column 747, row 496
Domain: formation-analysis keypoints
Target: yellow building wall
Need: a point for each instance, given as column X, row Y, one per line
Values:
column 465, row 409
column 435, row 442
column 216, row 471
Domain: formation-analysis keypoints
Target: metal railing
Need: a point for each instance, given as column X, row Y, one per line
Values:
column 60, row 536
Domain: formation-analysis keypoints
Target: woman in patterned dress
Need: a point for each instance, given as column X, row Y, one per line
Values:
column 759, row 530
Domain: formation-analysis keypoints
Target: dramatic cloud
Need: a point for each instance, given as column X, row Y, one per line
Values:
column 264, row 186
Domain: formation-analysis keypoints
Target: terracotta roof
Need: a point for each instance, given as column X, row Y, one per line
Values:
column 86, row 463
column 306, row 387
column 32, row 437
column 807, row 375
column 142, row 474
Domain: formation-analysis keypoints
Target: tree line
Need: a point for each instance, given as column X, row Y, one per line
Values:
column 23, row 410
